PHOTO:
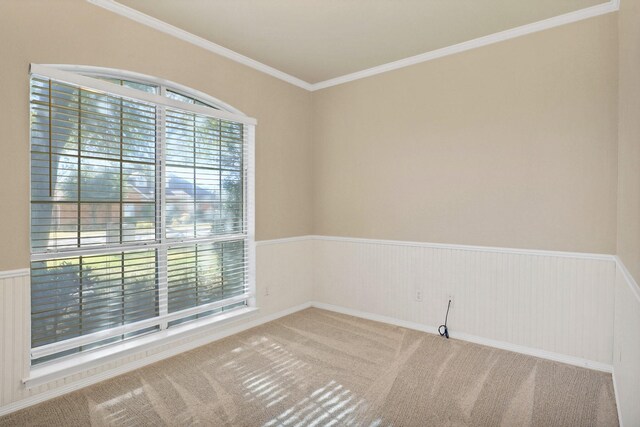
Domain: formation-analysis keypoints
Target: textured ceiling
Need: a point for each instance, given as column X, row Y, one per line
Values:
column 316, row 40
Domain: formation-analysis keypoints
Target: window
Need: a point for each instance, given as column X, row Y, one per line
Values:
column 141, row 209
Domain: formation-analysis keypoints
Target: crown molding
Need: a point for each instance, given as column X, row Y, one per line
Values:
column 127, row 12
column 556, row 21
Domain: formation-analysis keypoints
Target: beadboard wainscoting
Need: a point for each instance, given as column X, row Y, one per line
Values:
column 555, row 305
column 14, row 334
column 626, row 347
column 283, row 267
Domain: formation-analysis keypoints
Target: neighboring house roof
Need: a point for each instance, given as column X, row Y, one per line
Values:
column 175, row 186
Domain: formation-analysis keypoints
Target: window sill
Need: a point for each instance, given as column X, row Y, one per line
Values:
column 81, row 363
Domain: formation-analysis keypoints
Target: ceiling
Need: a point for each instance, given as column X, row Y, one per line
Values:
column 318, row 40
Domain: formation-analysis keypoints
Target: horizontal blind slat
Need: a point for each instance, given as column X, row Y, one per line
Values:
column 95, row 217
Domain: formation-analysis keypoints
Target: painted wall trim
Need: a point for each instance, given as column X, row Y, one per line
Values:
column 91, row 70
column 633, row 285
column 61, row 369
column 283, row 240
column 616, row 395
column 147, row 360
column 635, row 290
column 556, row 357
column 580, row 255
column 8, row 274
column 534, row 27
column 159, row 25
column 233, row 329
column 556, row 21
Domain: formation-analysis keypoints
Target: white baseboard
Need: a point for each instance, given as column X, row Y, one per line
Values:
column 216, row 335
column 535, row 352
column 41, row 397
column 376, row 317
column 127, row 367
column 556, row 357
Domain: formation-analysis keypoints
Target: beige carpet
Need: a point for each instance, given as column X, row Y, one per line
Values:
column 320, row 368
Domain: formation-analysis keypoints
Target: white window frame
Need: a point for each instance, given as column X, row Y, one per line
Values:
column 78, row 75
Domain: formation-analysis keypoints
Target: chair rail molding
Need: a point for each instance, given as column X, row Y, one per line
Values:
column 556, row 21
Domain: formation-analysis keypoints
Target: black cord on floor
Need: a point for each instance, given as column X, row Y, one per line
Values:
column 442, row 329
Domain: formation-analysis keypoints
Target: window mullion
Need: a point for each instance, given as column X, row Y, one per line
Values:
column 222, row 272
column 79, row 216
column 161, row 210
column 121, row 226
column 86, row 285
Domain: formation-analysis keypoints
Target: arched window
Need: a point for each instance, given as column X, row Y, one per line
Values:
column 141, row 207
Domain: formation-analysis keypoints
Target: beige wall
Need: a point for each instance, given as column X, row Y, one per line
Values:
column 629, row 138
column 510, row 145
column 75, row 32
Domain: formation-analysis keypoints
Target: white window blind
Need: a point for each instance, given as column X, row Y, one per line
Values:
column 140, row 213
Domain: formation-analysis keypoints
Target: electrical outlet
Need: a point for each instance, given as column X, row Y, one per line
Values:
column 419, row 296
column 266, row 291
column 450, row 298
